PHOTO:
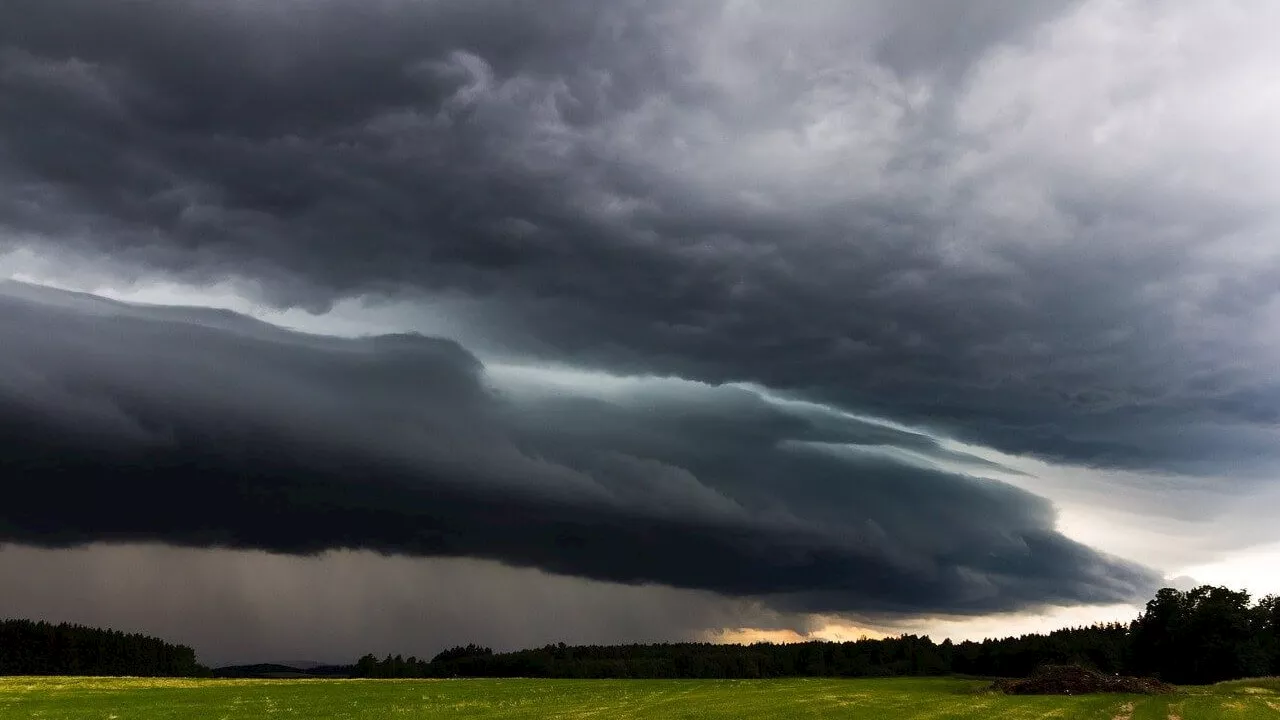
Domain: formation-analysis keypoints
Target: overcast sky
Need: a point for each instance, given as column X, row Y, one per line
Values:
column 336, row 326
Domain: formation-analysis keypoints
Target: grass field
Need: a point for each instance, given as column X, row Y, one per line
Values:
column 904, row 699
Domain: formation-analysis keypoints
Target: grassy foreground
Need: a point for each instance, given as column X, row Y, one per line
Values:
column 147, row 699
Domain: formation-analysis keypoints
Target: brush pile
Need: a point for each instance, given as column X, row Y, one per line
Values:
column 1075, row 680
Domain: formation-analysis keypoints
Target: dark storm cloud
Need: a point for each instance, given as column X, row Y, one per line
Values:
column 861, row 202
column 208, row 429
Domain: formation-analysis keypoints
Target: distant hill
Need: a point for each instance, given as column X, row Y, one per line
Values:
column 300, row 664
column 279, row 670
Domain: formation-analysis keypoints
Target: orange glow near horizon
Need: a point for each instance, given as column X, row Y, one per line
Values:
column 938, row 628
column 831, row 632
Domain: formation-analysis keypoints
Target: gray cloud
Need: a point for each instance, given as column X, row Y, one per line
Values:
column 917, row 211
column 204, row 428
column 1047, row 230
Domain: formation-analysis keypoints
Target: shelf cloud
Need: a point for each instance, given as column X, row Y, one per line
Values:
column 208, row 429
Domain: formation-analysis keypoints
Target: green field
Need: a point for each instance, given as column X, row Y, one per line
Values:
column 146, row 699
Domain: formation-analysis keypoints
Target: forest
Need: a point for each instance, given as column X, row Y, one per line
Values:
column 1204, row 635
column 41, row 648
column 1200, row 636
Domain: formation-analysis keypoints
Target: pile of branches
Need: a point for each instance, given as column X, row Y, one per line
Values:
column 1075, row 680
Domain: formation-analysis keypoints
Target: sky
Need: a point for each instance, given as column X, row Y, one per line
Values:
column 342, row 326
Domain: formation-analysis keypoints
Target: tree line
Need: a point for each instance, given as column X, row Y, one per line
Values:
column 41, row 648
column 1204, row 635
